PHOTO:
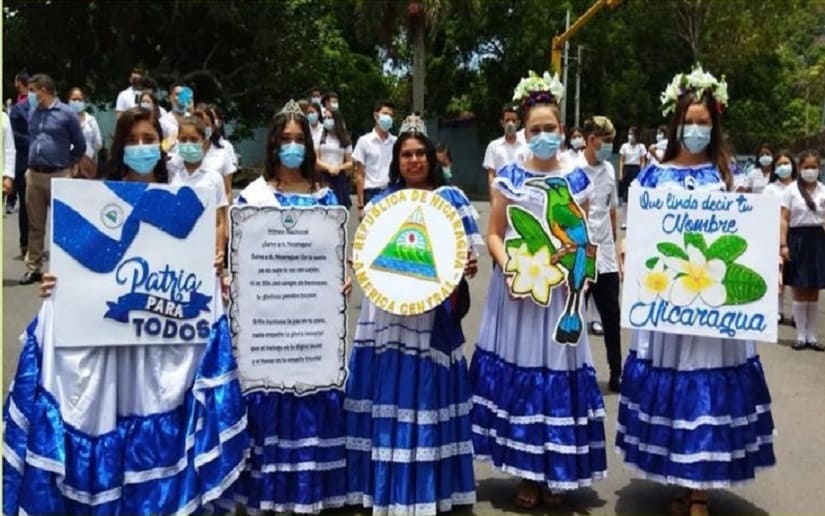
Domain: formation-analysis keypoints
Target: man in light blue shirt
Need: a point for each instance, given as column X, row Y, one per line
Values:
column 56, row 144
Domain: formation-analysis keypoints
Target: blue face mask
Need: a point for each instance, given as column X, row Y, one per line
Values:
column 544, row 145
column 312, row 118
column 329, row 124
column 141, row 158
column 78, row 106
column 191, row 152
column 291, row 154
column 604, row 152
column 32, row 100
column 783, row 171
column 385, row 122
column 207, row 133
column 695, row 137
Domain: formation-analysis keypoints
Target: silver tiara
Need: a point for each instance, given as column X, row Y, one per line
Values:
column 413, row 124
column 291, row 108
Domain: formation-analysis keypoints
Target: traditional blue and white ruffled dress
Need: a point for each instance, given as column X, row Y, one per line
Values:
column 538, row 413
column 693, row 411
column 122, row 429
column 297, row 462
column 409, row 448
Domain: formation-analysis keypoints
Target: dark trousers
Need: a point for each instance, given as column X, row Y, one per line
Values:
column 628, row 175
column 605, row 293
column 22, row 215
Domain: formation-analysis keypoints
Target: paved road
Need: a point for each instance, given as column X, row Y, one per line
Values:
column 796, row 379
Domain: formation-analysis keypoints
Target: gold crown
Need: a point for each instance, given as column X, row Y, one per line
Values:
column 413, row 124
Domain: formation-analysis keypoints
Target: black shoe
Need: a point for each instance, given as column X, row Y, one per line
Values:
column 798, row 345
column 780, row 319
column 596, row 328
column 816, row 347
column 613, row 385
column 31, row 277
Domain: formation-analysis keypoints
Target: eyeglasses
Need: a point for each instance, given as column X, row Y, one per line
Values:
column 418, row 153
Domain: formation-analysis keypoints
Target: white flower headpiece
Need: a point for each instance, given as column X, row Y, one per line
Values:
column 535, row 83
column 697, row 81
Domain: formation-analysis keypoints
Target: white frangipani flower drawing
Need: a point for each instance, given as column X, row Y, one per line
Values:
column 697, row 277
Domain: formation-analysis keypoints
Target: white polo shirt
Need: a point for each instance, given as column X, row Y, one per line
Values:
column 317, row 131
column 207, row 179
column 800, row 214
column 375, row 155
column 632, row 154
column 604, row 198
column 220, row 160
column 757, row 180
column 777, row 188
column 500, row 153
column 127, row 99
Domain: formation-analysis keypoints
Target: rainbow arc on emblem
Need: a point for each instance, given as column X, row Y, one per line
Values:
column 409, row 252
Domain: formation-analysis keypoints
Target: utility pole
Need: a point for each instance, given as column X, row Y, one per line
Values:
column 578, row 85
column 564, row 77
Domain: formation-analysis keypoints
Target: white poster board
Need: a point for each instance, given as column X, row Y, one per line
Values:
column 134, row 263
column 287, row 308
column 702, row 263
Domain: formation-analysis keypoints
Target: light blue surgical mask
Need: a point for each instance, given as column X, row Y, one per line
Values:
column 577, row 142
column 191, row 152
column 783, row 171
column 329, row 124
column 291, row 154
column 32, row 99
column 809, row 175
column 385, row 122
column 765, row 160
column 78, row 106
column 312, row 118
column 316, row 100
column 207, row 133
column 333, row 105
column 604, row 152
column 448, row 173
column 695, row 137
column 147, row 105
column 141, row 158
column 545, row 145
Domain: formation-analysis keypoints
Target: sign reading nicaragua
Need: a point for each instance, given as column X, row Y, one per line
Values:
column 134, row 263
column 410, row 251
column 702, row 263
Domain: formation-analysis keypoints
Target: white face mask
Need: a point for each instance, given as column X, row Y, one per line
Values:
column 809, row 175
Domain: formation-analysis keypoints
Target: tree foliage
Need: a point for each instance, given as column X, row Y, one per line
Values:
column 251, row 56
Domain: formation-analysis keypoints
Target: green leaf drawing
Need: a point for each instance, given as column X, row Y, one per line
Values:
column 697, row 240
column 743, row 285
column 651, row 262
column 727, row 248
column 529, row 229
column 671, row 250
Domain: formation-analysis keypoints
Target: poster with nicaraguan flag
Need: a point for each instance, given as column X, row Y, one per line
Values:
column 134, row 263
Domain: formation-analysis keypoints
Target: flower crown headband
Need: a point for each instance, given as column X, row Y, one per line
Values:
column 698, row 82
column 537, row 88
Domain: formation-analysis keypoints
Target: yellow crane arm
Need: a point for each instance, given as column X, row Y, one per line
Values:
column 560, row 39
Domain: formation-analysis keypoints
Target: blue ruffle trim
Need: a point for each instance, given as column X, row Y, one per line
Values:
column 409, row 441
column 510, row 180
column 705, row 428
column 686, row 177
column 298, row 458
column 538, row 424
column 169, row 463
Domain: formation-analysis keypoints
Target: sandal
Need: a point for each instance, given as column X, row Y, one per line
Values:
column 698, row 504
column 528, row 495
column 551, row 499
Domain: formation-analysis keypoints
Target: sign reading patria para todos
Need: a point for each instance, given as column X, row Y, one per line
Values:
column 410, row 251
column 702, row 263
column 134, row 263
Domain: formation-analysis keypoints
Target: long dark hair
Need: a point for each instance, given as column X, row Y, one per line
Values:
column 340, row 129
column 208, row 111
column 800, row 183
column 272, row 162
column 435, row 176
column 717, row 149
column 787, row 154
column 116, row 170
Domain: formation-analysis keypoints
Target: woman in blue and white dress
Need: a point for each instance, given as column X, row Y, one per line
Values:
column 297, row 462
column 143, row 430
column 409, row 448
column 537, row 410
column 694, row 411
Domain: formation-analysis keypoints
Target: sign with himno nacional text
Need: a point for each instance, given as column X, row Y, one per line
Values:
column 410, row 251
column 702, row 263
column 287, row 306
column 134, row 263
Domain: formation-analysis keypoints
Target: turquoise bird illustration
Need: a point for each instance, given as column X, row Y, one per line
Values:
column 568, row 224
